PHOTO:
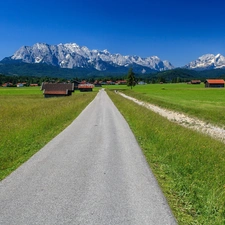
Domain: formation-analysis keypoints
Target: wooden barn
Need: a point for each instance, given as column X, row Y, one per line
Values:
column 85, row 87
column 195, row 82
column 57, row 89
column 214, row 83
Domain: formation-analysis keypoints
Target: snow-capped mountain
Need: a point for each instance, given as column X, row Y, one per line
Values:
column 208, row 61
column 71, row 55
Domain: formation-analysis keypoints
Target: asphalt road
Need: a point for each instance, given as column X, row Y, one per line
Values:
column 92, row 173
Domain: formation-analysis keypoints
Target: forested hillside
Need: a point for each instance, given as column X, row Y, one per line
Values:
column 35, row 73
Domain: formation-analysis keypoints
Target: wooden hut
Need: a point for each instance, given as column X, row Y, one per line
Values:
column 85, row 87
column 57, row 89
column 195, row 82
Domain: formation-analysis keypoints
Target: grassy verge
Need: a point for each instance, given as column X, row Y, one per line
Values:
column 189, row 166
column 28, row 121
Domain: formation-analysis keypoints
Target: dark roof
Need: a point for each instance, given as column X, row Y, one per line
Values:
column 57, row 86
column 76, row 82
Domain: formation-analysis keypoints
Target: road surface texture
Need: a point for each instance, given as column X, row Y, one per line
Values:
column 92, row 173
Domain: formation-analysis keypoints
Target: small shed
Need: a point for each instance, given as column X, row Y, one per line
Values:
column 57, row 89
column 214, row 83
column 141, row 83
column 195, row 82
column 85, row 87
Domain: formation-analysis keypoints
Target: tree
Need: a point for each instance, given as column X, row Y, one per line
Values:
column 131, row 78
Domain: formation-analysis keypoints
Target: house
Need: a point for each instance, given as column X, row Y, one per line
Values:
column 8, row 84
column 217, row 83
column 57, row 89
column 33, row 85
column 195, row 82
column 20, row 84
column 85, row 87
column 109, row 82
column 141, row 83
column 121, row 82
column 97, row 83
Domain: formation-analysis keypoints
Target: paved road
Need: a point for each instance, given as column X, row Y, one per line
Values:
column 91, row 173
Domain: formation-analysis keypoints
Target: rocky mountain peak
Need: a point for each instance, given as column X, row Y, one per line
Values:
column 207, row 61
column 71, row 55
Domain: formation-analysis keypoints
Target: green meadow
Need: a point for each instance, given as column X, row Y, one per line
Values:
column 29, row 121
column 189, row 166
column 207, row 104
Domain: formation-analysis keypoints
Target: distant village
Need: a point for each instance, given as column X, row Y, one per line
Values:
column 56, row 89
column 96, row 83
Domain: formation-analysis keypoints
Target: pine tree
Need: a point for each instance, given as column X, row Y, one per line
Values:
column 131, row 78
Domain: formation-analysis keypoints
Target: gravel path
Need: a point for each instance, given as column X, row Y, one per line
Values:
column 92, row 173
column 186, row 121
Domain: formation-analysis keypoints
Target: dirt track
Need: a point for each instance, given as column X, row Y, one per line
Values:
column 184, row 120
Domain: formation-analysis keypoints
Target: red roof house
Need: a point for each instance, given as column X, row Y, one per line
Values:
column 218, row 83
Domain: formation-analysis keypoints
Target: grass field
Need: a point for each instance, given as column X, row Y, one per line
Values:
column 28, row 121
column 189, row 166
column 207, row 104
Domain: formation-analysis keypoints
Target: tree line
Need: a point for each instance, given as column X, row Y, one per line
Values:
column 27, row 79
column 15, row 79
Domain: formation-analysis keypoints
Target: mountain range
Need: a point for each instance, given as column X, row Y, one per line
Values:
column 72, row 56
column 51, row 59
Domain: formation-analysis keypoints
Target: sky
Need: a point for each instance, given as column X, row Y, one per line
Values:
column 177, row 31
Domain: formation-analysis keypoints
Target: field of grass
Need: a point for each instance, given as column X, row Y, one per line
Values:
column 28, row 121
column 189, row 166
column 207, row 104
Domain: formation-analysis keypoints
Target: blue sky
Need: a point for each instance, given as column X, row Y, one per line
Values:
column 175, row 31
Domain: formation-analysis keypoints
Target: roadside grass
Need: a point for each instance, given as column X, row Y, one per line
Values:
column 28, row 121
column 207, row 104
column 189, row 166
